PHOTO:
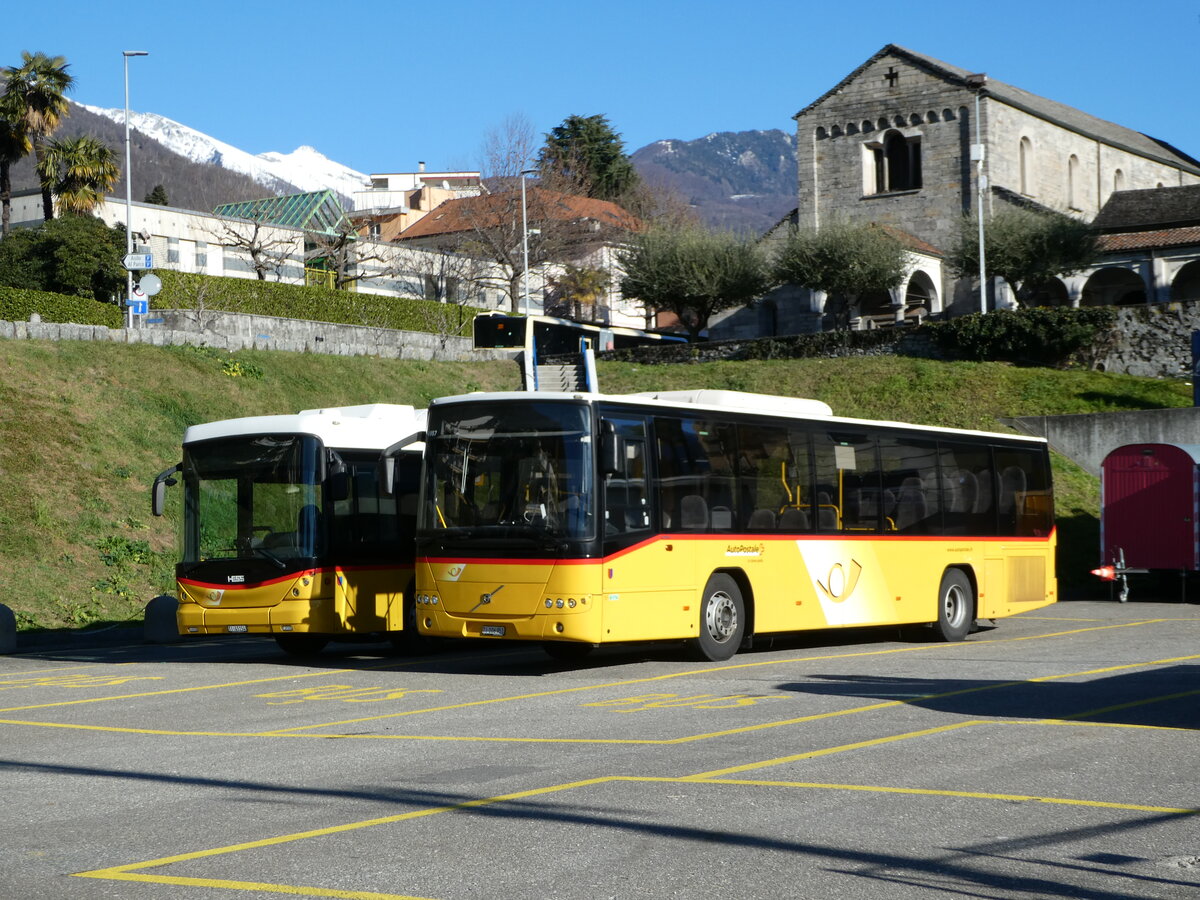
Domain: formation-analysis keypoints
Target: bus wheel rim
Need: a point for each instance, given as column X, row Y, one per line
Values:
column 720, row 616
column 956, row 605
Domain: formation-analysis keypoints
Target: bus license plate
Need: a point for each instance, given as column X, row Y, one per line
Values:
column 494, row 630
column 236, row 629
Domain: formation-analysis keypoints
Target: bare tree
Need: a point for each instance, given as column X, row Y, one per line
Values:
column 348, row 256
column 451, row 281
column 269, row 249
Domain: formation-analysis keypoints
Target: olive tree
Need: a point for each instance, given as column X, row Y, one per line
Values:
column 693, row 272
column 843, row 260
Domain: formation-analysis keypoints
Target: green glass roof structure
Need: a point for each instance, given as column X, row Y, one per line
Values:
column 319, row 211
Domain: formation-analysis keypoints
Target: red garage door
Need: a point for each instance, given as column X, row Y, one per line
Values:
column 1149, row 506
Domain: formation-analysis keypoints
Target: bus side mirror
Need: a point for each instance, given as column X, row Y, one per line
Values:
column 387, row 461
column 158, row 493
column 339, row 482
column 610, row 450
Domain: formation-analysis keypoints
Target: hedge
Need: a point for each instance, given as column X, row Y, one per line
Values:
column 292, row 301
column 18, row 304
column 1044, row 336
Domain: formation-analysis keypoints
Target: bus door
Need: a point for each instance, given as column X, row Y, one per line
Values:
column 645, row 582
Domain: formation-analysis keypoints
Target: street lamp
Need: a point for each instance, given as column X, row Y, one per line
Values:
column 978, row 154
column 129, row 188
column 525, row 241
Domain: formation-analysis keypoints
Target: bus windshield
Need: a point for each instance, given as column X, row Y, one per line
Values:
column 511, row 471
column 252, row 497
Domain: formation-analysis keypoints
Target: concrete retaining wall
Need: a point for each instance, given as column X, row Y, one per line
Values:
column 1088, row 438
column 237, row 331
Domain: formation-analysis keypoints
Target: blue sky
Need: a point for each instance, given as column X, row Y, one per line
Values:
column 379, row 87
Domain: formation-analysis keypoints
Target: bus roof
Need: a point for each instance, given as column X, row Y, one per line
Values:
column 373, row 426
column 725, row 402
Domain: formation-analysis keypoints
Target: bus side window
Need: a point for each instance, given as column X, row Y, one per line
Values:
column 1023, row 499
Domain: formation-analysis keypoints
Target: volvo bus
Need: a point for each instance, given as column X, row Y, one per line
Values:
column 287, row 529
column 715, row 516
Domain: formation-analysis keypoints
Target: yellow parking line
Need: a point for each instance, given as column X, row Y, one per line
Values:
column 132, row 871
column 971, row 795
column 127, row 872
column 705, row 671
column 828, row 751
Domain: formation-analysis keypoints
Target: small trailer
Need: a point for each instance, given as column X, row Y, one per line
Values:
column 1149, row 512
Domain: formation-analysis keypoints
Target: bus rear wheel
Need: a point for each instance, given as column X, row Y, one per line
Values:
column 301, row 644
column 722, row 619
column 956, row 606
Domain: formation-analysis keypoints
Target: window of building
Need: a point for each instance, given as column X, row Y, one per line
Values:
column 1118, row 180
column 1072, row 181
column 1026, row 162
column 374, row 230
column 894, row 164
column 172, row 250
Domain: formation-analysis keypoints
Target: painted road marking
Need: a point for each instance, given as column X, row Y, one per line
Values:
column 341, row 693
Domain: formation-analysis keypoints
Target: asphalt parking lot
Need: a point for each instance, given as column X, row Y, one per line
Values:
column 1055, row 755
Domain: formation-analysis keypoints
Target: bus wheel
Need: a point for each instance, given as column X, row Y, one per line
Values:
column 567, row 651
column 722, row 619
column 956, row 606
column 301, row 644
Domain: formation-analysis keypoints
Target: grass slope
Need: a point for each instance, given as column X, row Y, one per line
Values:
column 85, row 427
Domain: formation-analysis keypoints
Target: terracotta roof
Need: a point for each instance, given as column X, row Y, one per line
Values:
column 489, row 210
column 911, row 241
column 1149, row 240
column 1051, row 110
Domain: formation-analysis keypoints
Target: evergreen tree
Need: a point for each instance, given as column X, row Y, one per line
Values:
column 76, row 255
column 158, row 196
column 586, row 154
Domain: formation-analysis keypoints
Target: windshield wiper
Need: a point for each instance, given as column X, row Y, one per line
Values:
column 267, row 554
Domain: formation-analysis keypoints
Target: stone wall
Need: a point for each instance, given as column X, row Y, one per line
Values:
column 1155, row 341
column 237, row 331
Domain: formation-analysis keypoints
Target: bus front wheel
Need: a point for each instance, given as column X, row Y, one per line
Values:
column 956, row 606
column 722, row 619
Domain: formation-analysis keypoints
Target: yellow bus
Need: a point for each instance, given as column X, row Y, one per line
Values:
column 715, row 516
column 288, row 529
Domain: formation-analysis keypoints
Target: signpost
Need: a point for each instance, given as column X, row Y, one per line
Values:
column 138, row 261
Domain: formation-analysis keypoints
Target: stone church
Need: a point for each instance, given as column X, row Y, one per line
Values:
column 905, row 141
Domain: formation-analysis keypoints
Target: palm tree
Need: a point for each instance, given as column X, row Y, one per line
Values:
column 36, row 87
column 80, row 170
column 14, row 146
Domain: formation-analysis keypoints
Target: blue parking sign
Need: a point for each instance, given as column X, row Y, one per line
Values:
column 139, row 307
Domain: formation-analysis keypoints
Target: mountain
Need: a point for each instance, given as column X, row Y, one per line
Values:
column 304, row 168
column 743, row 180
column 199, row 172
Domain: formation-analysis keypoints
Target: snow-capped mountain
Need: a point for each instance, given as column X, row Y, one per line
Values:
column 304, row 169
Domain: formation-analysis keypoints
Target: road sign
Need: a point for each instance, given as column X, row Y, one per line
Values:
column 139, row 307
column 134, row 261
column 150, row 284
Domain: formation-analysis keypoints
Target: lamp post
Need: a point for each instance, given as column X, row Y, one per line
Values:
column 129, row 188
column 525, row 243
column 978, row 154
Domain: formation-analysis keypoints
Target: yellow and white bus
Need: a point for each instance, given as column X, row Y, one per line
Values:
column 714, row 516
column 288, row 530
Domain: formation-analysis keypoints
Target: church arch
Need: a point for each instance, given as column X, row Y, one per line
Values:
column 931, row 117
column 947, row 115
column 867, row 125
column 1186, row 284
column 1118, row 180
column 835, row 131
column 920, row 296
column 820, row 132
column 1047, row 293
column 1114, row 286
